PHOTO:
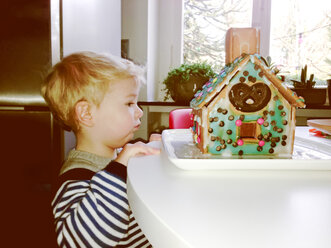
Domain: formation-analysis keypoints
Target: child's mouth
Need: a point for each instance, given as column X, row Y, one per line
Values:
column 136, row 127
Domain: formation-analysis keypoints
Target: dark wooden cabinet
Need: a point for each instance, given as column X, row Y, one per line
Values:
column 31, row 155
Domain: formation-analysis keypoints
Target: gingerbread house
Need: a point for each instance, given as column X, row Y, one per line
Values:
column 245, row 110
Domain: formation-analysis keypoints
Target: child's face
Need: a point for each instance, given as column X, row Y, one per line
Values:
column 118, row 116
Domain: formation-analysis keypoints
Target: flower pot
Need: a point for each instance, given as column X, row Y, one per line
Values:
column 313, row 97
column 184, row 92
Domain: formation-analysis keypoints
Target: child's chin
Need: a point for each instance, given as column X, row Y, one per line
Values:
column 128, row 138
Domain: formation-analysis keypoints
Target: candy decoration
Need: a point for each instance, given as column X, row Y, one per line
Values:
column 261, row 143
column 260, row 121
column 238, row 123
column 318, row 133
column 240, row 142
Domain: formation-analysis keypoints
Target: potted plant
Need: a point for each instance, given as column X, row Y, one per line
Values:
column 267, row 61
column 183, row 82
column 306, row 88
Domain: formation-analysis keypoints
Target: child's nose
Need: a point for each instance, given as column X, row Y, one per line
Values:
column 139, row 112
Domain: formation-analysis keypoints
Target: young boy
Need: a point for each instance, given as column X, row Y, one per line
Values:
column 96, row 97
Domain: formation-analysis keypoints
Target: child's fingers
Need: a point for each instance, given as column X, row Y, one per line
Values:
column 155, row 137
column 132, row 150
column 141, row 148
column 152, row 150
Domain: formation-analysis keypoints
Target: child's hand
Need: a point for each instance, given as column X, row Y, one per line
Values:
column 155, row 137
column 132, row 150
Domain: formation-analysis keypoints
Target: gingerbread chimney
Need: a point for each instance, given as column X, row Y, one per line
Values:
column 239, row 41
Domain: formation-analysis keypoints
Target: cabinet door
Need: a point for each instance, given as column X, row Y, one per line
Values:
column 25, row 51
column 31, row 154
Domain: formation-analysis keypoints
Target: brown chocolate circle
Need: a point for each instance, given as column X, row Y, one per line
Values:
column 247, row 98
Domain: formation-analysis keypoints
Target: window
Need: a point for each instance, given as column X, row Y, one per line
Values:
column 205, row 26
column 300, row 34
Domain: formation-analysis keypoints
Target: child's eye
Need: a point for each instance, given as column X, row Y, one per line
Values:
column 130, row 104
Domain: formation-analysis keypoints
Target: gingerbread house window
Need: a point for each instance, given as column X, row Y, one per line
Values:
column 248, row 130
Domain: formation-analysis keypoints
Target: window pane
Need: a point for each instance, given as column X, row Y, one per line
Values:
column 205, row 26
column 300, row 35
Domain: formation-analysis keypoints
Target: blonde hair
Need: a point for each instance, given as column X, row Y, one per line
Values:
column 84, row 76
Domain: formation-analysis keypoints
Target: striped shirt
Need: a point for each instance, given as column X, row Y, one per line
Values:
column 91, row 209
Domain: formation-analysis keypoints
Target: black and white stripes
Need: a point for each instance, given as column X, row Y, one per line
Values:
column 95, row 213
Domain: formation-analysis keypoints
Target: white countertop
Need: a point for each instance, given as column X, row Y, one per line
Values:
column 233, row 209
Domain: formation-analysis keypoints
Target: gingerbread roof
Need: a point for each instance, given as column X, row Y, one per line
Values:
column 215, row 85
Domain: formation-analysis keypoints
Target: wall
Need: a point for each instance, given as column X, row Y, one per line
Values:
column 261, row 20
column 93, row 26
column 153, row 48
column 134, row 28
column 154, row 30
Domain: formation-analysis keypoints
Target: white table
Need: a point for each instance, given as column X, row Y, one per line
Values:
column 232, row 209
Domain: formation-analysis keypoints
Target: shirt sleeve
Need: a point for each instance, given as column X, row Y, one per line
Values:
column 91, row 209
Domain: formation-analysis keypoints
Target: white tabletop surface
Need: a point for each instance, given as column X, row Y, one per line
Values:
column 232, row 209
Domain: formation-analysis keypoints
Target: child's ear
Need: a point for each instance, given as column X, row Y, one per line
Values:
column 83, row 113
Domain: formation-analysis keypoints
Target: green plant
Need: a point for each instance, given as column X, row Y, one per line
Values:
column 183, row 74
column 270, row 65
column 304, row 83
